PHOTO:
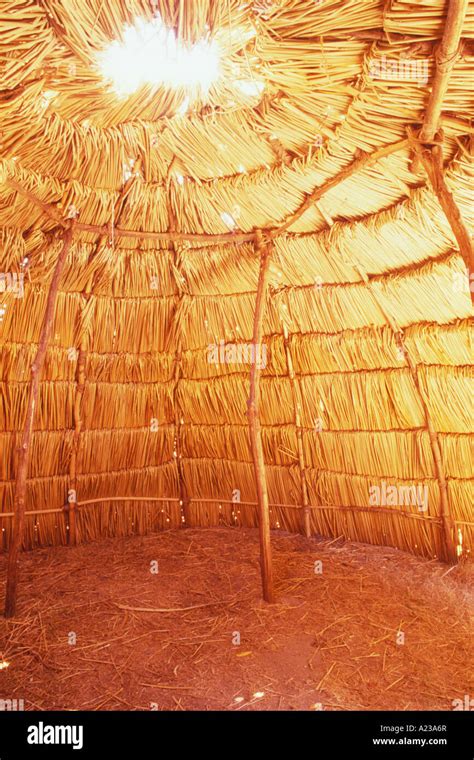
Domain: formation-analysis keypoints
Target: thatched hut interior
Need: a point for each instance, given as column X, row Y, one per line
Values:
column 236, row 342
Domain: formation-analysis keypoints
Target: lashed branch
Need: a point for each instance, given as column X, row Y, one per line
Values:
column 171, row 237
column 49, row 209
column 446, row 58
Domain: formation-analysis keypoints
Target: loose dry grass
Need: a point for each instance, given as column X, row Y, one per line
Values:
column 331, row 638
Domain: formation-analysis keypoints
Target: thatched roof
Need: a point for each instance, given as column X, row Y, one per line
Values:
column 129, row 403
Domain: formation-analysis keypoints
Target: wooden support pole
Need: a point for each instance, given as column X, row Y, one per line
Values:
column 447, row 523
column 184, row 500
column 181, row 286
column 77, row 416
column 306, row 522
column 263, row 251
column 24, row 455
column 446, row 57
column 450, row 208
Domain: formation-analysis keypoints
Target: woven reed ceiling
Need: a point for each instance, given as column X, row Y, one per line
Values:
column 138, row 314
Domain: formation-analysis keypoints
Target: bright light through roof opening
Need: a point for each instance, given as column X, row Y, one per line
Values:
column 151, row 54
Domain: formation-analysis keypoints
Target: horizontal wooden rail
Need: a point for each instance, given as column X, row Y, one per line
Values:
column 35, row 512
column 176, row 237
column 320, row 507
column 161, row 499
column 126, row 498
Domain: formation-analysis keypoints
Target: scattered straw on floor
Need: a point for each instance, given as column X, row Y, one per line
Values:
column 376, row 629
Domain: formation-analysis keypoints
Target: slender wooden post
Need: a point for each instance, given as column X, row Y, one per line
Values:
column 447, row 523
column 184, row 499
column 80, row 386
column 306, row 522
column 24, row 455
column 266, row 567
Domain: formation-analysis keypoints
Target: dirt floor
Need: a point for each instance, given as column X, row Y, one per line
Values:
column 99, row 629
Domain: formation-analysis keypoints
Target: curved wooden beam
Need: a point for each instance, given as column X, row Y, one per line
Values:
column 357, row 164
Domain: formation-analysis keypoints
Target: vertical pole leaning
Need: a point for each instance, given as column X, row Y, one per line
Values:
column 306, row 522
column 184, row 500
column 263, row 251
column 77, row 418
column 24, row 456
